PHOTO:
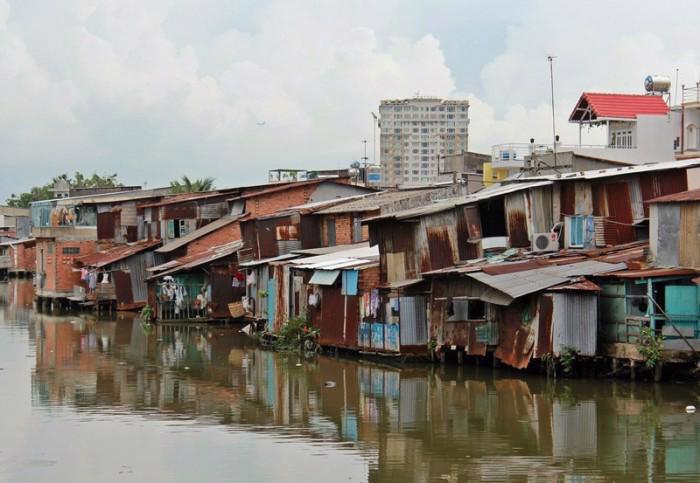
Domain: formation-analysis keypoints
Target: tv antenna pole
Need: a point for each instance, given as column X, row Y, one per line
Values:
column 550, row 59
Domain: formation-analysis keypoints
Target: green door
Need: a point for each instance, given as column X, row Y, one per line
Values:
column 682, row 305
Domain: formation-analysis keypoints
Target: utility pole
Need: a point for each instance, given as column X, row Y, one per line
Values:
column 551, row 58
column 364, row 159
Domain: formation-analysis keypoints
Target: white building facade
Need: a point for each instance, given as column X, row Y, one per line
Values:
column 416, row 134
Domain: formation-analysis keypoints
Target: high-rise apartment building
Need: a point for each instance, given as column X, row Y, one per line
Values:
column 416, row 134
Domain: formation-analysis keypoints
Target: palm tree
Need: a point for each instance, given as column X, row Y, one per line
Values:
column 186, row 185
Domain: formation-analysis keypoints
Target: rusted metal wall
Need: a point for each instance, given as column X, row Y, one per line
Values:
column 436, row 241
column 397, row 251
column 689, row 242
column 515, row 334
column 662, row 183
column 267, row 243
column 619, row 214
column 221, row 292
column 310, row 229
column 516, row 219
column 541, row 209
column 468, row 226
column 122, row 287
column 105, row 226
column 212, row 211
column 567, row 193
column 180, row 211
column 331, row 316
column 575, row 323
column 543, row 344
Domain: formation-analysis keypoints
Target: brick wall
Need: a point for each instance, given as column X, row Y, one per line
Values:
column 369, row 279
column 269, row 203
column 223, row 235
column 23, row 258
column 58, row 266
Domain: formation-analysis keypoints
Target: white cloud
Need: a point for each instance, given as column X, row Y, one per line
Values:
column 157, row 89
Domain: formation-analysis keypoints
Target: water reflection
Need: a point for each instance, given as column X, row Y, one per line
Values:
column 410, row 424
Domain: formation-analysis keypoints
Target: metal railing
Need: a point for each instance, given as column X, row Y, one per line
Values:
column 691, row 94
column 178, row 301
column 515, row 154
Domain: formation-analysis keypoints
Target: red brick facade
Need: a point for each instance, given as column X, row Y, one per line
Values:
column 57, row 259
column 23, row 257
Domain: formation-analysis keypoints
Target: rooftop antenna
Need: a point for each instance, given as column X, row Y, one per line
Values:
column 675, row 90
column 550, row 59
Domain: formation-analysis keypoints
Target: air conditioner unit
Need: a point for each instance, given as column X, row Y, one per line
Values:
column 545, row 242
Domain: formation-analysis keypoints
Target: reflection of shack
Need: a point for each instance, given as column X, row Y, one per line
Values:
column 198, row 286
column 127, row 265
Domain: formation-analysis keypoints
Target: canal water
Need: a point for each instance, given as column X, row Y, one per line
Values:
column 111, row 400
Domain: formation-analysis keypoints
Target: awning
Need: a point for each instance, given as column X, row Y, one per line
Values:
column 324, row 277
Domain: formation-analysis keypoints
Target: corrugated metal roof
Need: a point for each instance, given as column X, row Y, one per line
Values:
column 18, row 242
column 112, row 255
column 205, row 230
column 197, row 259
column 622, row 170
column 255, row 263
column 618, row 106
column 402, row 283
column 333, row 249
column 692, row 195
column 372, row 202
column 352, row 258
column 444, row 205
column 324, row 277
column 517, row 284
column 653, row 272
column 284, row 187
column 311, row 207
column 109, row 197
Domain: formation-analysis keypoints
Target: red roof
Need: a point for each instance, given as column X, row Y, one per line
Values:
column 596, row 105
column 692, row 195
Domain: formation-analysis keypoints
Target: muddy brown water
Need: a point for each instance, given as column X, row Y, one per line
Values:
column 111, row 400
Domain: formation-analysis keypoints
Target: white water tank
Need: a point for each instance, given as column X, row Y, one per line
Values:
column 657, row 83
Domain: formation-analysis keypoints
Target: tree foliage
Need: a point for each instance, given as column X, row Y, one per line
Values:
column 78, row 180
column 186, row 185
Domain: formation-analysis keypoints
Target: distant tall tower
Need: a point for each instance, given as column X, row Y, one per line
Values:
column 416, row 133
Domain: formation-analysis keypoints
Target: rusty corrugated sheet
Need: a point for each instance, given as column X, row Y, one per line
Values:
column 654, row 185
column 122, row 287
column 689, row 240
column 413, row 321
column 213, row 211
column 310, row 229
column 598, row 199
column 568, row 198
column 516, row 220
column 267, row 243
column 618, row 228
column 105, row 225
column 180, row 211
column 683, row 196
column 515, row 336
column 331, row 318
column 128, row 214
column 468, row 230
column 463, row 335
column 221, row 292
column 440, row 247
column 544, row 327
column 286, row 232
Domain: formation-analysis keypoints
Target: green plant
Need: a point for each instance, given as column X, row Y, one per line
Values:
column 147, row 313
column 262, row 293
column 294, row 333
column 650, row 346
column 432, row 345
column 567, row 357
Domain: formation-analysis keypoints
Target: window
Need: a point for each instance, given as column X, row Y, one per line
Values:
column 576, row 231
column 463, row 310
column 71, row 250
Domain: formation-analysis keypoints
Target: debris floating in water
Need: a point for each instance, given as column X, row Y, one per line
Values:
column 187, row 368
column 690, row 409
column 329, row 384
column 298, row 364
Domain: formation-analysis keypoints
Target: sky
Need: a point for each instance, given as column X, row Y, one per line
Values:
column 159, row 89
